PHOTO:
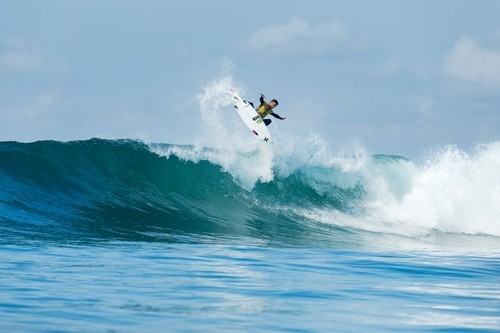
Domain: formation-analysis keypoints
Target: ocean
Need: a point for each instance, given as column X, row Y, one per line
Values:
column 129, row 236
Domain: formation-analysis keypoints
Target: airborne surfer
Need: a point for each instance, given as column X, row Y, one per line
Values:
column 265, row 109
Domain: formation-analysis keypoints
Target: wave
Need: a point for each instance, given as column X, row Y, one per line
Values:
column 127, row 189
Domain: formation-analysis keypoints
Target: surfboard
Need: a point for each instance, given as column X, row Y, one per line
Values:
column 250, row 117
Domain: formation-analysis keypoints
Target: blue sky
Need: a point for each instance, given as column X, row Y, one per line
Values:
column 397, row 77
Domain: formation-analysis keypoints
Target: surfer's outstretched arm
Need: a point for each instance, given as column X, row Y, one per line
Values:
column 275, row 115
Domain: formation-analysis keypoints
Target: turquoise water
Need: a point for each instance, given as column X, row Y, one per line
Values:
column 103, row 236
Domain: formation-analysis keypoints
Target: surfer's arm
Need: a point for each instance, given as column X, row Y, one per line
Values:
column 262, row 99
column 275, row 115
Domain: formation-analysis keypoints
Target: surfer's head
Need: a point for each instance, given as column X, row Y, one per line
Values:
column 273, row 103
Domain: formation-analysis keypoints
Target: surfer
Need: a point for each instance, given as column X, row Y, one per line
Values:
column 265, row 109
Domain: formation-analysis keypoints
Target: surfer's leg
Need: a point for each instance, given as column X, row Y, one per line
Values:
column 251, row 104
column 267, row 121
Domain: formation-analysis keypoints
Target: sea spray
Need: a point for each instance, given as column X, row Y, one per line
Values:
column 246, row 159
column 454, row 192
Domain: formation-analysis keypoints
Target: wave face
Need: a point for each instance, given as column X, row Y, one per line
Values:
column 126, row 189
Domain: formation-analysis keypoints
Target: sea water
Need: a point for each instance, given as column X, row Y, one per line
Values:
column 151, row 287
column 127, row 236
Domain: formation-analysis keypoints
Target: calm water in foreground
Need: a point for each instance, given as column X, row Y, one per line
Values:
column 152, row 287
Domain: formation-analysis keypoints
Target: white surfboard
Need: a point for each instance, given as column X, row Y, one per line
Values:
column 250, row 117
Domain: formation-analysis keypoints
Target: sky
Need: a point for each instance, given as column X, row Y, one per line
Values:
column 396, row 77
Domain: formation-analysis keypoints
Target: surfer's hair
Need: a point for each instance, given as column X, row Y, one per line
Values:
column 275, row 101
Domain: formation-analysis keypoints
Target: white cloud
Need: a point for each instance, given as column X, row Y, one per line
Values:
column 31, row 108
column 298, row 37
column 32, row 117
column 424, row 105
column 17, row 57
column 47, row 99
column 471, row 62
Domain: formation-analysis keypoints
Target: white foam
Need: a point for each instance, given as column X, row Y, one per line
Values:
column 453, row 192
